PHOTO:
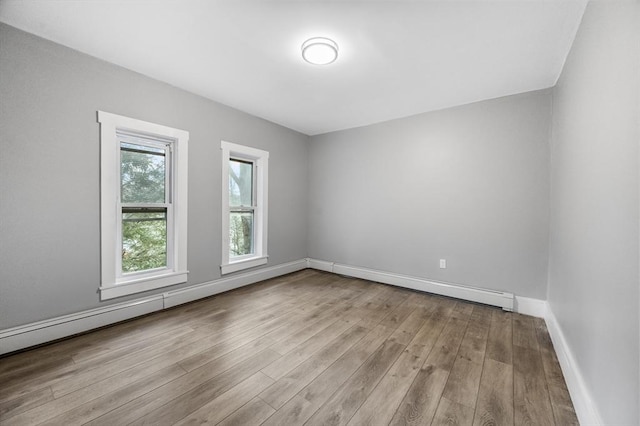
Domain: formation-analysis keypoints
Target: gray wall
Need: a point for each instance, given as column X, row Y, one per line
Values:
column 593, row 273
column 467, row 184
column 49, row 164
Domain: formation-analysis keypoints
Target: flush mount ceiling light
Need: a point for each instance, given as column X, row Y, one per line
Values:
column 319, row 51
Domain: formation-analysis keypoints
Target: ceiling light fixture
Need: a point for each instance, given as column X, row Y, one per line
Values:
column 319, row 51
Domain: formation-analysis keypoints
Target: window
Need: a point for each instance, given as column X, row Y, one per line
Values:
column 143, row 185
column 244, row 207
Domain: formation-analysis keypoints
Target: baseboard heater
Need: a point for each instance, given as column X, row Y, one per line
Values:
column 500, row 299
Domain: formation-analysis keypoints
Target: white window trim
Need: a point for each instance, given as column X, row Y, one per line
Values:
column 111, row 284
column 261, row 161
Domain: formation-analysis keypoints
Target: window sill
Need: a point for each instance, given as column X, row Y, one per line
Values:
column 142, row 284
column 243, row 264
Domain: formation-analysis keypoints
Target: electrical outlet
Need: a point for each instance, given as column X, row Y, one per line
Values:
column 443, row 263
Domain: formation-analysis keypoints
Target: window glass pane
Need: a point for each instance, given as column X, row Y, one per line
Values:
column 144, row 239
column 240, row 233
column 142, row 174
column 240, row 183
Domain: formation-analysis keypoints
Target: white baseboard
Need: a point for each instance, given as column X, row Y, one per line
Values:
column 489, row 297
column 320, row 265
column 580, row 396
column 28, row 335
column 529, row 306
column 36, row 333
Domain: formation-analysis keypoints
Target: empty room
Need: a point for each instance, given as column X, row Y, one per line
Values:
column 344, row 212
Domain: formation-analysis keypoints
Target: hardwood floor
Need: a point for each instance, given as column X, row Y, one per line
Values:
column 307, row 348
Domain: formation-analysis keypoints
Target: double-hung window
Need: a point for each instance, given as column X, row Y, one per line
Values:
column 244, row 207
column 144, row 201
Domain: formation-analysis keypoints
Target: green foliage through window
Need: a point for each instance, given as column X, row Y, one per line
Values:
column 144, row 208
column 144, row 241
column 241, row 233
column 241, row 207
column 142, row 174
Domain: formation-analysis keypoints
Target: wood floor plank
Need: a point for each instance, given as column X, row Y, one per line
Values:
column 25, row 402
column 286, row 387
column 531, row 400
column 267, row 333
column 218, row 408
column 398, row 315
column 185, row 403
column 500, row 340
column 29, row 368
column 542, row 335
column 280, row 305
column 383, row 402
column 524, row 332
column 462, row 310
column 410, row 326
column 495, row 396
column 98, row 406
column 528, row 361
column 84, row 377
column 101, row 356
column 232, row 367
column 234, row 318
column 463, row 382
column 427, row 337
column 464, row 379
column 339, row 409
column 450, row 413
column 378, row 310
column 76, row 376
column 302, row 406
column 421, row 401
column 67, row 379
column 418, row 299
column 98, row 389
column 291, row 360
column 253, row 413
column 563, row 411
column 145, row 337
column 328, row 297
column 374, row 298
column 474, row 343
column 287, row 345
column 431, row 327
column 445, row 350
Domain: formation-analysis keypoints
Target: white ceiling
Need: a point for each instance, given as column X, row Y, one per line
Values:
column 397, row 58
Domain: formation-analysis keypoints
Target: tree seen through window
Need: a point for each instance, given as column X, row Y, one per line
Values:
column 241, row 207
column 144, row 213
